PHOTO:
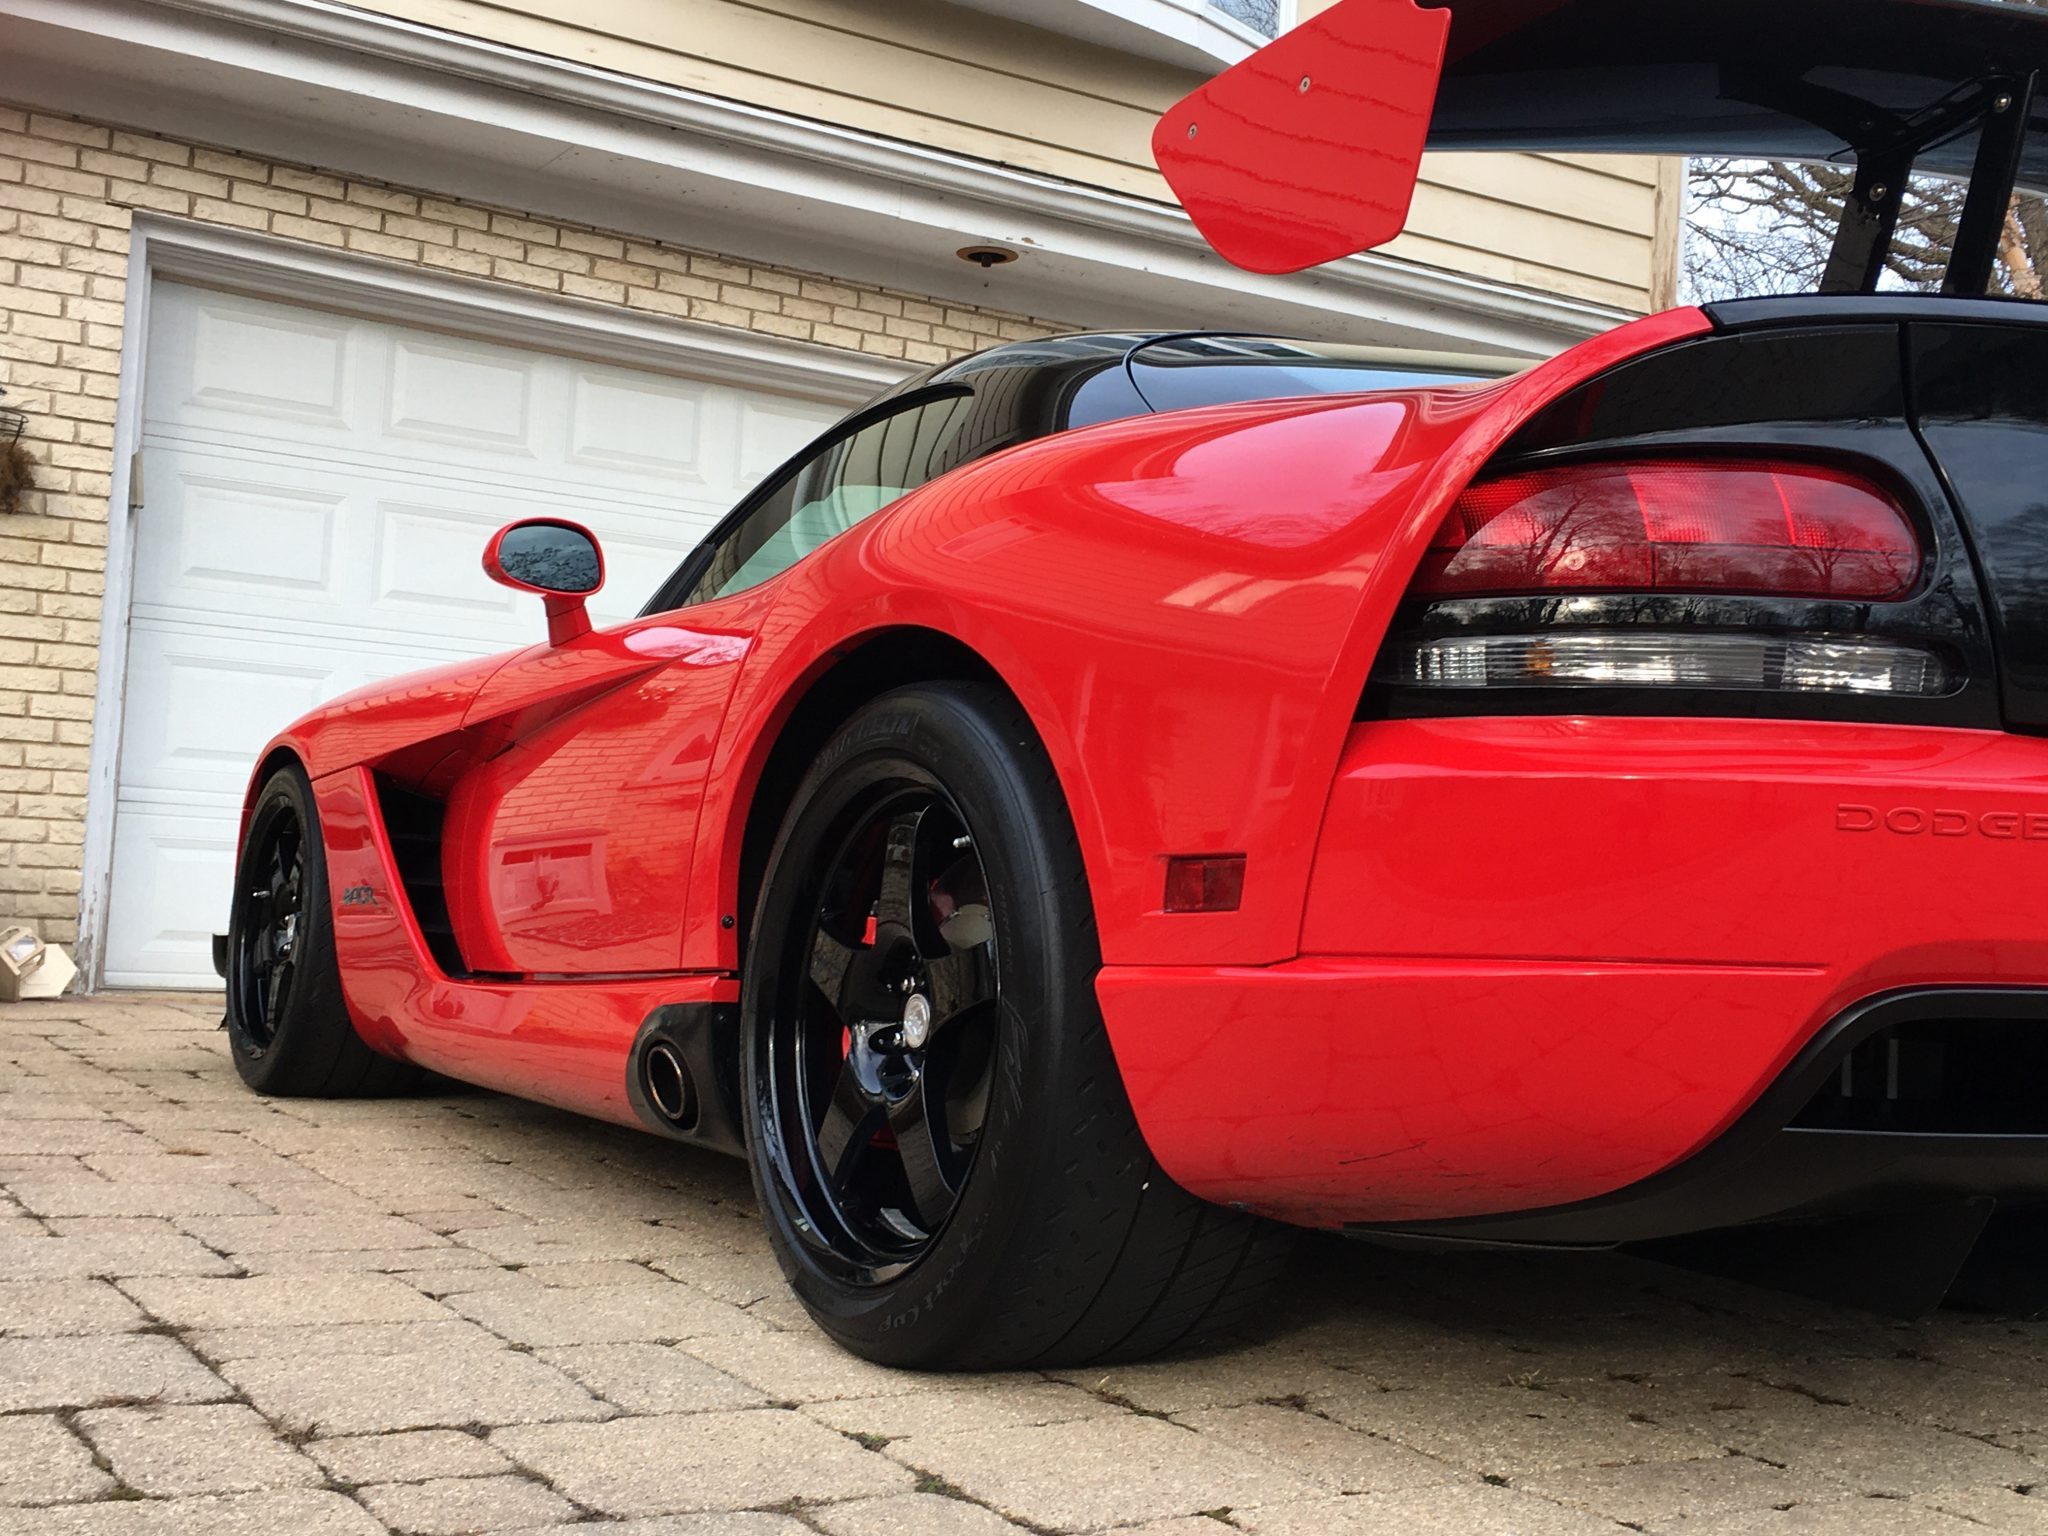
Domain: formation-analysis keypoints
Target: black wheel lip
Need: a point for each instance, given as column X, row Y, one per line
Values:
column 774, row 1156
column 272, row 813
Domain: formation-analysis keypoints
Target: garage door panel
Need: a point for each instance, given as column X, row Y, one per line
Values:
column 772, row 432
column 633, row 569
column 201, row 707
column 450, row 391
column 421, row 547
column 319, row 492
column 670, row 427
column 223, row 532
column 237, row 360
column 173, row 873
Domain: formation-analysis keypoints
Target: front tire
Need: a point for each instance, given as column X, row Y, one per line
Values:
column 287, row 1025
column 949, row 1166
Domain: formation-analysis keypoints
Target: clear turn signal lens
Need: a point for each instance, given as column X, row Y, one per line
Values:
column 1649, row 659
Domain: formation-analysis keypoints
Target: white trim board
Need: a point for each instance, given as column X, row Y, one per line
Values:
column 1194, row 34
column 319, row 83
column 261, row 265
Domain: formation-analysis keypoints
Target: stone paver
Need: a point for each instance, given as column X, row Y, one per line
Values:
column 740, row 1523
column 942, row 1404
column 1091, row 1473
column 410, row 1456
column 50, row 1308
column 703, row 1461
column 221, row 1316
column 1652, row 1494
column 1508, row 1430
column 272, row 1301
column 448, row 1332
column 653, row 1378
column 94, row 1196
column 42, row 1462
column 218, row 1448
column 371, row 1394
column 602, row 1314
column 127, row 1253
column 305, row 1512
column 919, row 1514
column 457, row 1506
column 308, row 1234
column 119, row 1367
column 1469, row 1509
column 1321, row 1450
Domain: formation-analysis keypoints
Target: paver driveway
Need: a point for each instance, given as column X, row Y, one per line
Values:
column 463, row 1313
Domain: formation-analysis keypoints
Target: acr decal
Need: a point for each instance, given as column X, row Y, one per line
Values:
column 359, row 896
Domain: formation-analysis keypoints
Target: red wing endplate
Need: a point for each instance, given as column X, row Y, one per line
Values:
column 1309, row 149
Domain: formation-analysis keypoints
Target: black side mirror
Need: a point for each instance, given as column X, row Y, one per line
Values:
column 558, row 559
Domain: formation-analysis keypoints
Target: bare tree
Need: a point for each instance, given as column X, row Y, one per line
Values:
column 1767, row 226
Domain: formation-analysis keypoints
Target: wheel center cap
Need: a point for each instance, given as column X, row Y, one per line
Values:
column 917, row 1021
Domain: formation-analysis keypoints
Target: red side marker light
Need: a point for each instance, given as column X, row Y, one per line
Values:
column 1709, row 525
column 1205, row 883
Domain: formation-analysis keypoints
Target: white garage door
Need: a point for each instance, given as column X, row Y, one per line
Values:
column 318, row 491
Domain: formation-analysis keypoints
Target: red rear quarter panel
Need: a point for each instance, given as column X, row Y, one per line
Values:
column 1187, row 606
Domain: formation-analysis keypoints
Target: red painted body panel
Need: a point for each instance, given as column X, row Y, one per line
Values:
column 561, row 1043
column 372, row 723
column 1088, row 569
column 568, row 851
column 1504, row 1009
column 1309, row 149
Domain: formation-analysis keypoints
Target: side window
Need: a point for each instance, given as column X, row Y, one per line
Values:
column 851, row 477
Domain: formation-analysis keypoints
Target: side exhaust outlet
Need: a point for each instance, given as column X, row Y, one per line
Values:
column 670, row 1088
column 676, row 1079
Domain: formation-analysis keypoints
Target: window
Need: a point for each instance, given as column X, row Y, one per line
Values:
column 1262, row 16
column 1178, row 372
column 851, row 477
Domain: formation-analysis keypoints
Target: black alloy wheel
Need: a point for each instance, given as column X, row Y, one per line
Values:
column 266, row 939
column 287, row 1023
column 879, row 1077
column 943, row 1151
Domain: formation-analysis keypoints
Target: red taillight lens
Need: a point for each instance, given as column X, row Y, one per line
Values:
column 1765, row 530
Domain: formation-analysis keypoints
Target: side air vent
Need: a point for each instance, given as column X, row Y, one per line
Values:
column 414, row 823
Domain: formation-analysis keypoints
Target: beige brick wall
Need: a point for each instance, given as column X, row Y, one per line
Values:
column 68, row 190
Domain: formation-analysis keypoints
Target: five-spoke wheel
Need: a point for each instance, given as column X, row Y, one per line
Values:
column 944, row 1153
column 266, row 939
column 880, row 1073
column 286, row 1018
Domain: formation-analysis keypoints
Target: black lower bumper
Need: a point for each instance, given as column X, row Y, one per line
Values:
column 1809, row 1149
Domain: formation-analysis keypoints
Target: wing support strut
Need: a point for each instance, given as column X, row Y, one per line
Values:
column 1974, row 260
column 1886, row 149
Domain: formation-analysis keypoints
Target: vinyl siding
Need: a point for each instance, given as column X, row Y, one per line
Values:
column 964, row 81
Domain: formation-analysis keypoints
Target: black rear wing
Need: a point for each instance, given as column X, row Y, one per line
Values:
column 1309, row 149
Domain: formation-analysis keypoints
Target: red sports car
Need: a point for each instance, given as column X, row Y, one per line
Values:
column 1114, row 796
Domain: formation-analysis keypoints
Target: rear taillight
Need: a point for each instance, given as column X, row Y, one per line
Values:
column 1655, row 658
column 1725, row 526
column 1768, row 540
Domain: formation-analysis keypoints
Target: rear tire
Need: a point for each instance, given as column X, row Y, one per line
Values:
column 288, row 1028
column 1047, row 1235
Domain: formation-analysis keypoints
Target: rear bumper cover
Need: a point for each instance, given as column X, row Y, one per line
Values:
column 1461, row 1044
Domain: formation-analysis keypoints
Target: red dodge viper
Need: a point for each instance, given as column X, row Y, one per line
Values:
column 1114, row 797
